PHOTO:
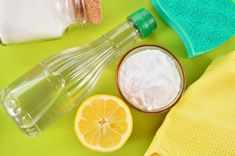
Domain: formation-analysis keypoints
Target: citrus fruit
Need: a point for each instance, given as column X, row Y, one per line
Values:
column 103, row 123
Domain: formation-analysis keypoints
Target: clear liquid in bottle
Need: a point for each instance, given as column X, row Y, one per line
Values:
column 61, row 82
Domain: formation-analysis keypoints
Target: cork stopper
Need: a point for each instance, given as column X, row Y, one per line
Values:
column 87, row 11
column 93, row 11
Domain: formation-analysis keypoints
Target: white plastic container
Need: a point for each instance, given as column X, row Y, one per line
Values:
column 27, row 20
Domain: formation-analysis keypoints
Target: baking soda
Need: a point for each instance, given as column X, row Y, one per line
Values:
column 149, row 79
column 25, row 20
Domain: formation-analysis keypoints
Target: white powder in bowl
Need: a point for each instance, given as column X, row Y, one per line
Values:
column 149, row 79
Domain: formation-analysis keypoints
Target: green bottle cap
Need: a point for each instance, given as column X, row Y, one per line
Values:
column 144, row 22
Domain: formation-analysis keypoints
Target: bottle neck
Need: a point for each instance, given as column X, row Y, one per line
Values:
column 79, row 11
column 121, row 38
column 71, row 11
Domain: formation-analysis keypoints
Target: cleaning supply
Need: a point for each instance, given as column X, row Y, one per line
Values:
column 103, row 123
column 150, row 78
column 62, row 81
column 203, row 25
column 202, row 122
column 27, row 20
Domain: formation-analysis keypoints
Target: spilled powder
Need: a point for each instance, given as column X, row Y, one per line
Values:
column 149, row 79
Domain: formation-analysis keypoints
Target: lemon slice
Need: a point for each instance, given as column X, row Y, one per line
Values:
column 103, row 123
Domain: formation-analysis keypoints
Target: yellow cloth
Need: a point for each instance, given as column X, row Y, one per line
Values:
column 203, row 121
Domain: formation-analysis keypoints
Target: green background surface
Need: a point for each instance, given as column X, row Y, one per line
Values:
column 60, row 139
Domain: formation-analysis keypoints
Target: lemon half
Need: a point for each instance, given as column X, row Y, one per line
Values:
column 103, row 123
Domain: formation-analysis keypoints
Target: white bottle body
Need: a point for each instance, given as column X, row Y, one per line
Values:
column 28, row 20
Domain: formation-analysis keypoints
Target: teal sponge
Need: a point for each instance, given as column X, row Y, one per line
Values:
column 202, row 24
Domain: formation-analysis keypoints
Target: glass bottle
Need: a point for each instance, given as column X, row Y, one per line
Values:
column 61, row 82
column 27, row 20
